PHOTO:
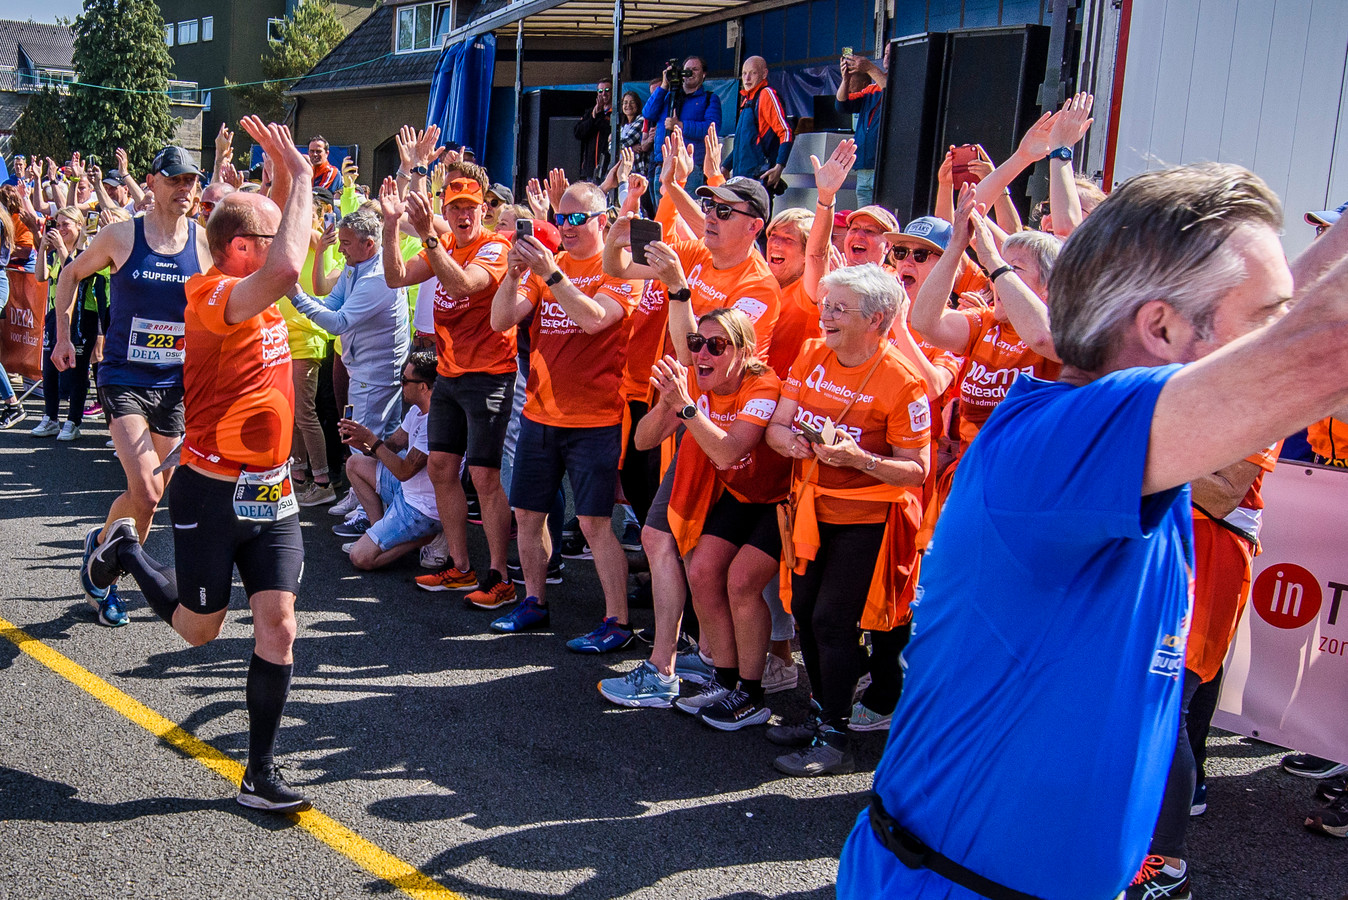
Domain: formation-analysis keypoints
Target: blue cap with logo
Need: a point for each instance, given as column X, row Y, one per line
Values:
column 929, row 230
column 1326, row 216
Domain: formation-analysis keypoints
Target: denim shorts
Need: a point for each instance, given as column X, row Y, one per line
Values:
column 588, row 455
column 401, row 523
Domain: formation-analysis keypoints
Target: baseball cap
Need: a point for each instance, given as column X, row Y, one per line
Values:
column 840, row 218
column 879, row 214
column 501, row 192
column 547, row 234
column 323, row 195
column 114, row 178
column 929, row 230
column 1326, row 216
column 740, row 190
column 173, row 161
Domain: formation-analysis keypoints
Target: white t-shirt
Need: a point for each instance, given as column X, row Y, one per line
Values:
column 423, row 319
column 417, row 490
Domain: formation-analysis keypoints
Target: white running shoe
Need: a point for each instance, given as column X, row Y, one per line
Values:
column 345, row 506
column 435, row 555
column 69, row 431
column 778, row 676
column 45, row 428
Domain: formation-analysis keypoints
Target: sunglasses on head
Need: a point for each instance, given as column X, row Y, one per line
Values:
column 574, row 219
column 461, row 186
column 920, row 254
column 715, row 345
column 723, row 210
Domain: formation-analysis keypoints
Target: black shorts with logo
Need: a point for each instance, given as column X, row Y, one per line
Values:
column 161, row 408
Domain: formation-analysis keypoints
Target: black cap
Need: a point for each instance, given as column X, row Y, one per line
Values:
column 323, row 194
column 173, row 161
column 740, row 190
column 114, row 178
column 500, row 190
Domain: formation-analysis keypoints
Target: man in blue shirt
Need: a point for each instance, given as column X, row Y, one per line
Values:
column 694, row 110
column 1048, row 648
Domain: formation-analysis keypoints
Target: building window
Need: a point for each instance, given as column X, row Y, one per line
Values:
column 207, row 28
column 274, row 30
column 422, row 26
column 168, row 35
column 187, row 32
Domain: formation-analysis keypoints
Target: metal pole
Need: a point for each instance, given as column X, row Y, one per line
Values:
column 615, row 117
column 519, row 103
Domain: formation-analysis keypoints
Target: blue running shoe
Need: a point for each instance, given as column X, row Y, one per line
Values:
column 643, row 686
column 91, row 590
column 528, row 615
column 112, row 611
column 607, row 637
column 691, row 667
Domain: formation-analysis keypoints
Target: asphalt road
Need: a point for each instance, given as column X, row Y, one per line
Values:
column 487, row 763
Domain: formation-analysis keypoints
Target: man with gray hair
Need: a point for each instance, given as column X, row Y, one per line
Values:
column 1067, row 626
column 371, row 319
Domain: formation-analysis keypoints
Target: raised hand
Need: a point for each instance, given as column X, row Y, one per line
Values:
column 230, row 175
column 537, row 199
column 683, row 160
column 224, row 142
column 390, row 204
column 557, row 185
column 984, row 244
column 420, row 213
column 1039, row 139
column 426, row 146
column 627, row 159
column 76, row 166
column 1071, row 123
column 407, row 142
column 120, row 156
column 829, row 177
column 963, row 229
column 711, row 163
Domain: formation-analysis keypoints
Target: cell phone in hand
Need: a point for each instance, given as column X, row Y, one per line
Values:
column 349, row 412
column 523, row 227
column 961, row 156
column 644, row 233
column 846, row 51
column 329, row 219
column 810, row 433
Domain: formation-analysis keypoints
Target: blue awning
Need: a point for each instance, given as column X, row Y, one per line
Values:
column 461, row 92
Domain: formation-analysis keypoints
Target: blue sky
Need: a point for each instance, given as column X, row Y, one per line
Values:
column 46, row 11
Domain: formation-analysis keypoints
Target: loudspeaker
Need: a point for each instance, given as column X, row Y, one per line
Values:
column 905, row 177
column 548, row 132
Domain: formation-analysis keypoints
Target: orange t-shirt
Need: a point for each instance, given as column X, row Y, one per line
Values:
column 891, row 411
column 574, row 377
column 995, row 356
column 797, row 323
column 464, row 339
column 763, row 475
column 749, row 287
column 1329, row 439
column 646, row 341
column 238, row 397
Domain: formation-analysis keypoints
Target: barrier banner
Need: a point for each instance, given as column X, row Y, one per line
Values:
column 21, row 328
column 1286, row 676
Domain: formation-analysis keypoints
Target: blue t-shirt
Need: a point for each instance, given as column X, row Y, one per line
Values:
column 1041, row 704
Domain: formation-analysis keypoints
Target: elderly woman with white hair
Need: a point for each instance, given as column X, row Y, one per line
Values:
column 855, row 419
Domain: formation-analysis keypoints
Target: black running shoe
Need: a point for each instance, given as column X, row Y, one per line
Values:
column 555, row 567
column 1332, row 789
column 268, row 790
column 103, row 569
column 735, row 711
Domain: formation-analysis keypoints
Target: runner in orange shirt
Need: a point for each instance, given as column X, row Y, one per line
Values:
column 476, row 366
column 572, row 418
column 232, row 503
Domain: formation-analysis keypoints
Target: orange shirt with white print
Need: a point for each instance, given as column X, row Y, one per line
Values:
column 238, row 395
column 574, row 377
column 649, row 327
column 464, row 339
column 1329, row 440
column 995, row 356
column 797, row 323
column 891, row 410
column 763, row 475
column 749, row 287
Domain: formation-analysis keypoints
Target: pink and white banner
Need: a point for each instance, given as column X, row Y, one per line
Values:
column 1287, row 672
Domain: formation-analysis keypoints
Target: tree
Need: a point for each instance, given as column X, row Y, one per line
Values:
column 120, row 44
column 41, row 129
column 306, row 36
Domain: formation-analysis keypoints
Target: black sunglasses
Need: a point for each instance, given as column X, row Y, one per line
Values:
column 574, row 219
column 920, row 254
column 405, row 380
column 715, row 345
column 723, row 210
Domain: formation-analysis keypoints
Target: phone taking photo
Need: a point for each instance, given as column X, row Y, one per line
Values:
column 960, row 158
column 349, row 412
column 644, row 233
column 523, row 227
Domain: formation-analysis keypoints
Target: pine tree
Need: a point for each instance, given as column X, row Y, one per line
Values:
column 120, row 44
column 41, row 130
column 307, row 35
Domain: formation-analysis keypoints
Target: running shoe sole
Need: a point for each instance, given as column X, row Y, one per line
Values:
column 95, row 595
column 760, row 717
column 447, row 587
column 637, row 702
column 253, row 801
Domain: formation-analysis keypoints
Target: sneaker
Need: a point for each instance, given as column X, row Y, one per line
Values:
column 647, row 637
column 735, row 711
column 435, row 555
column 643, row 686
column 793, row 735
column 353, row 527
column 528, row 615
column 609, row 636
column 865, row 719
column 346, row 506
column 93, row 409
column 1153, row 882
column 576, row 548
column 451, row 579
column 102, row 569
column 691, row 667
column 91, row 590
column 111, row 610
column 12, row 415
column 1332, row 821
column 474, row 511
column 45, row 428
column 778, row 676
column 314, row 494
column 555, row 569
column 348, row 547
column 571, row 529
column 1308, row 766
column 269, row 790
column 494, row 592
column 1329, row 791
column 820, row 758
column 705, row 696
column 69, row 431
column 631, row 538
column 1200, row 801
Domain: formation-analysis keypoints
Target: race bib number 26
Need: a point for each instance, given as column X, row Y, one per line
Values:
column 152, row 341
column 265, row 496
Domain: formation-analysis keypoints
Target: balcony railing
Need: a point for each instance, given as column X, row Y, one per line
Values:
column 12, row 79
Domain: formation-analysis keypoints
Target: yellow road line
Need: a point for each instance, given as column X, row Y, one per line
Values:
column 403, row 876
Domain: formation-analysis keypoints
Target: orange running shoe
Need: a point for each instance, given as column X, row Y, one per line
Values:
column 494, row 592
column 450, row 579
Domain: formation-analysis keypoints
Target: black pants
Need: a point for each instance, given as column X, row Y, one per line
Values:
column 827, row 602
column 640, row 474
column 1199, row 721
column 886, row 674
column 1172, row 825
column 72, row 383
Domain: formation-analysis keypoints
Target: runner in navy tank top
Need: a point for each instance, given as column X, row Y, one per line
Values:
column 141, row 379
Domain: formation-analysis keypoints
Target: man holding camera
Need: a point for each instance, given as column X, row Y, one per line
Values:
column 682, row 99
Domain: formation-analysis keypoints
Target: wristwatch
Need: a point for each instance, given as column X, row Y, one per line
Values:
column 871, row 462
column 1063, row 153
column 554, row 278
column 682, row 295
column 420, row 170
column 688, row 412
column 431, row 242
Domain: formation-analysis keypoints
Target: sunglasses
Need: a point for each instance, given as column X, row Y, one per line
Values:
column 495, row 202
column 207, row 206
column 462, row 186
column 920, row 254
column 723, row 210
column 715, row 345
column 405, row 380
column 573, row 219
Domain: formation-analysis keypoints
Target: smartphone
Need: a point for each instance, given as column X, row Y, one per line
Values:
column 349, row 412
column 847, row 51
column 810, row 434
column 644, row 233
column 329, row 219
column 961, row 156
column 524, row 226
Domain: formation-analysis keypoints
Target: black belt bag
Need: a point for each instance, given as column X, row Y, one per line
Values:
column 914, row 854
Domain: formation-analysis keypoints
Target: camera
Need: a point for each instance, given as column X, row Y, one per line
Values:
column 675, row 73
